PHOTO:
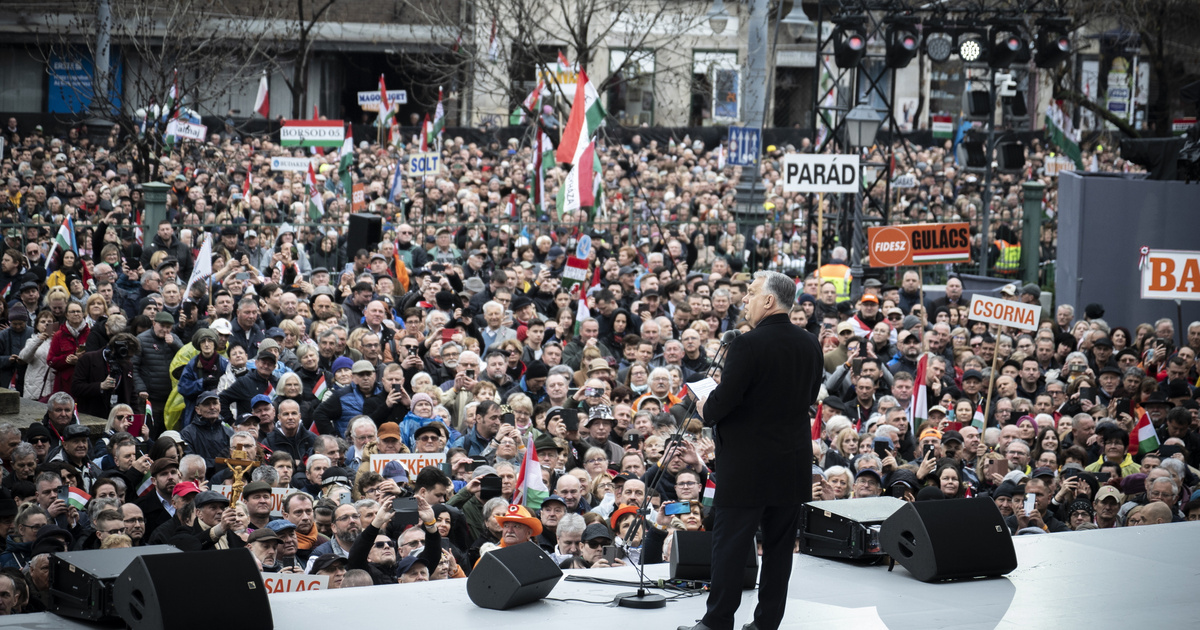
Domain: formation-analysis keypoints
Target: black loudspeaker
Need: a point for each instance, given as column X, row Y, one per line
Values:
column 949, row 540
column 366, row 230
column 512, row 576
column 691, row 559
column 202, row 589
column 81, row 582
column 847, row 529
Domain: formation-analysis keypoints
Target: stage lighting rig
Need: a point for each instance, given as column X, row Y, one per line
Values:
column 1053, row 42
column 1007, row 44
column 849, row 41
column 903, row 42
column 939, row 45
column 972, row 47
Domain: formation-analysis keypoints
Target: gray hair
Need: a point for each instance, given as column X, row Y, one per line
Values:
column 365, row 503
column 23, row 450
column 869, row 457
column 494, row 503
column 241, row 434
column 570, row 524
column 1173, row 466
column 316, row 458
column 192, row 461
column 60, row 398
column 7, row 429
column 1174, row 486
column 96, row 506
column 265, row 473
column 361, row 421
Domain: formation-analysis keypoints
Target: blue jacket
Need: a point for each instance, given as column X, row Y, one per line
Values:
column 16, row 554
column 191, row 383
column 409, row 426
column 472, row 442
column 333, row 415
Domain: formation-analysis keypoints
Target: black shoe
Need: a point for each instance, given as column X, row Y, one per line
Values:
column 700, row 625
column 750, row 626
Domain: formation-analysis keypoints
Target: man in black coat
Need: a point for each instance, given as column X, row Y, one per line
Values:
column 759, row 415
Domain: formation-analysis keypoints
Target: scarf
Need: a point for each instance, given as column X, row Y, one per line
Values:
column 307, row 541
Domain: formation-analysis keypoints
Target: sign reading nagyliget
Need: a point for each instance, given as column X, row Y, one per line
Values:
column 821, row 173
column 369, row 101
column 1171, row 275
column 312, row 133
column 1004, row 312
column 289, row 164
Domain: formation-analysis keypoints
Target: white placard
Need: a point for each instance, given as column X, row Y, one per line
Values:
column 277, row 495
column 1171, row 275
column 369, row 101
column 413, row 462
column 290, row 164
column 186, row 130
column 821, row 173
column 1004, row 312
column 294, row 582
column 421, row 164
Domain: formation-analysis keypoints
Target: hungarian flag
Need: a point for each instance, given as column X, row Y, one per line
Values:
column 77, row 498
column 248, row 186
column 543, row 160
column 345, row 161
column 1144, row 438
column 149, row 421
column 64, row 239
column 146, row 485
column 710, row 492
column 587, row 115
column 918, row 409
column 320, row 388
column 385, row 106
column 168, row 109
column 532, row 103
column 493, row 43
column 510, row 206
column 316, row 205
column 578, row 190
column 270, row 392
column 262, row 101
column 138, row 235
column 818, row 423
column 426, row 128
column 439, row 121
column 979, row 421
column 530, row 490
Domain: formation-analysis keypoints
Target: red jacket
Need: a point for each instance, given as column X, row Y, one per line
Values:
column 62, row 345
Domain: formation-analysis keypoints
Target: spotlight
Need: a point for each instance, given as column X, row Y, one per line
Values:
column 1007, row 46
column 971, row 47
column 849, row 44
column 1010, row 155
column 971, row 154
column 902, row 44
column 939, row 46
column 1053, row 42
column 977, row 105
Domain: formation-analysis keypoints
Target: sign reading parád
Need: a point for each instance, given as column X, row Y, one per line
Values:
column 920, row 244
column 821, row 174
column 312, row 133
column 1004, row 312
column 1170, row 274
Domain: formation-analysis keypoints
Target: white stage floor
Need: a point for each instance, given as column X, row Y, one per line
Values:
column 1070, row 580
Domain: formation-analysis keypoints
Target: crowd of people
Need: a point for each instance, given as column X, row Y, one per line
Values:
column 463, row 333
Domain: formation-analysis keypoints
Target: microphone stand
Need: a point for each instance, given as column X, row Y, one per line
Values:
column 642, row 598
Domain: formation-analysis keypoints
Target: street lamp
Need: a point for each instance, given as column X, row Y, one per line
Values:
column 797, row 21
column 862, row 123
column 718, row 17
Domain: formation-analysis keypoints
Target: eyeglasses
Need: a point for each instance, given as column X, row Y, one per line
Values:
column 410, row 346
column 413, row 543
column 434, row 438
column 384, row 544
column 39, row 440
column 124, row 416
column 119, row 530
column 34, row 527
column 895, row 317
column 685, row 484
column 594, row 544
column 597, row 460
column 347, row 517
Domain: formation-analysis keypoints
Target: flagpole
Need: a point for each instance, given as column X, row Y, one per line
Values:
column 924, row 320
column 987, row 409
column 820, row 225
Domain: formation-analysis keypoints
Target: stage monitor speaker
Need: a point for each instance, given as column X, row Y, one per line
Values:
column 949, row 540
column 202, row 589
column 366, row 230
column 847, row 528
column 81, row 582
column 691, row 559
column 512, row 576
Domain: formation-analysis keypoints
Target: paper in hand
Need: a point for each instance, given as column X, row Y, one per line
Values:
column 701, row 389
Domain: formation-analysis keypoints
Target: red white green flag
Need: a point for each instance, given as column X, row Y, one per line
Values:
column 77, row 498
column 1144, row 438
column 587, row 115
column 710, row 493
column 530, row 490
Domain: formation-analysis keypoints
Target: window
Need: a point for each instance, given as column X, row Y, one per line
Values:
column 631, row 93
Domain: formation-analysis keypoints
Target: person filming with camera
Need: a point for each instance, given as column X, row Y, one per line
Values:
column 104, row 378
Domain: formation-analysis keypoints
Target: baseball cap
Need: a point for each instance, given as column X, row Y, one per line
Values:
column 184, row 488
column 209, row 395
column 869, row 297
column 972, row 374
column 362, row 366
column 389, row 430
column 261, row 398
column 1109, row 492
column 406, row 564
column 222, row 326
column 952, row 436
column 596, row 530
column 326, row 561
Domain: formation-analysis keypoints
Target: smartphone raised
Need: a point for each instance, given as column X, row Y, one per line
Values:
column 883, row 447
column 448, row 333
column 676, row 508
column 570, row 421
column 997, row 467
column 404, row 504
column 613, row 553
column 490, row 487
column 508, row 418
column 64, row 491
column 1030, row 504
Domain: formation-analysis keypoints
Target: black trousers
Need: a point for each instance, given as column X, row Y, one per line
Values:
column 733, row 534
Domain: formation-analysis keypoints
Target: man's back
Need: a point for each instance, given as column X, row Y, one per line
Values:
column 760, row 413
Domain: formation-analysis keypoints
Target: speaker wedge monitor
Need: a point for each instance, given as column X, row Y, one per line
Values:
column 952, row 539
column 512, row 576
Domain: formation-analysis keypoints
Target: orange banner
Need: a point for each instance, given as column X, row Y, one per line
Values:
column 920, row 244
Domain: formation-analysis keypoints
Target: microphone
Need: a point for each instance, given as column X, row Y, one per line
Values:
column 729, row 336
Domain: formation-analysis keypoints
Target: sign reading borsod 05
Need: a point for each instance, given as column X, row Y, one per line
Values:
column 919, row 244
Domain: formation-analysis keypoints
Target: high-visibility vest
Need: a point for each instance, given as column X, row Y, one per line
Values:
column 839, row 275
column 1009, row 262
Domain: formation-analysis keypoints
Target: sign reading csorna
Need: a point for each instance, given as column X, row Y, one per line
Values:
column 920, row 244
column 1004, row 312
column 821, row 173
